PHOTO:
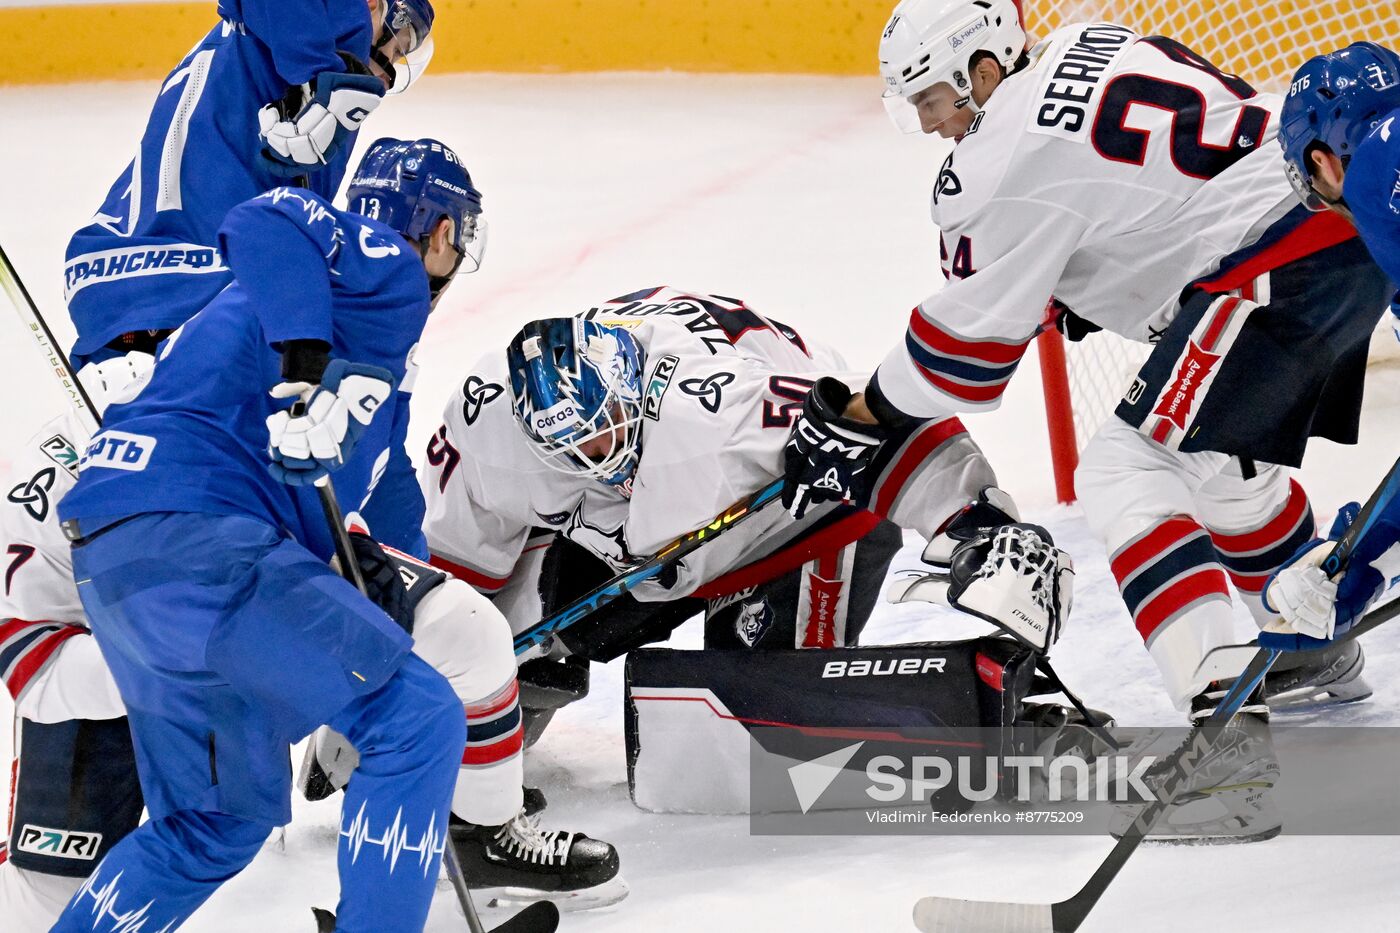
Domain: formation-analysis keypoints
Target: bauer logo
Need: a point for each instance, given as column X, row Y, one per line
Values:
column 117, row 450
column 58, row 843
column 864, row 667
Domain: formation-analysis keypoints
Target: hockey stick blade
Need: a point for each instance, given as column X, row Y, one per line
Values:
column 540, row 917
column 956, row 915
column 953, row 915
column 534, row 641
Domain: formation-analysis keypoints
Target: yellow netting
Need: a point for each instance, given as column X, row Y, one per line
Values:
column 1263, row 41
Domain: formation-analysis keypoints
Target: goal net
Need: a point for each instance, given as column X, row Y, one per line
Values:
column 1264, row 42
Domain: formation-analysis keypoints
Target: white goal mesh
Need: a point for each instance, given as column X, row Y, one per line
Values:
column 1264, row 42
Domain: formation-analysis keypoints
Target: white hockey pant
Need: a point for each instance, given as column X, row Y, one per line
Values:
column 1176, row 526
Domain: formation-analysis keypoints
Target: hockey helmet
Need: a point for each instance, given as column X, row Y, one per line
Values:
column 1335, row 100
column 412, row 184
column 576, row 383
column 405, row 44
column 931, row 41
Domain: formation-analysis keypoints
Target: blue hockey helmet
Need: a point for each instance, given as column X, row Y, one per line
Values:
column 410, row 185
column 405, row 44
column 1334, row 101
column 577, row 391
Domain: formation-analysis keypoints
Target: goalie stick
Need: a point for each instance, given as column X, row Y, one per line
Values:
column 935, row 914
column 537, row 918
column 535, row 641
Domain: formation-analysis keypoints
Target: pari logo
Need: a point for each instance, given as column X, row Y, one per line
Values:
column 58, row 843
column 117, row 450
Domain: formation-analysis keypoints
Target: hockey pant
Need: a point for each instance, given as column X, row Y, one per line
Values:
column 466, row 639
column 229, row 641
column 1177, row 526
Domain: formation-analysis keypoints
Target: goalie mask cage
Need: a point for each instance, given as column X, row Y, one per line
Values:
column 1264, row 42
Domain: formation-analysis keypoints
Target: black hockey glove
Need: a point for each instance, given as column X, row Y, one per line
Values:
column 827, row 452
column 383, row 585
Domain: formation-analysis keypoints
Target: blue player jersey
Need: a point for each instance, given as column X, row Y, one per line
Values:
column 195, row 439
column 148, row 258
column 1372, row 191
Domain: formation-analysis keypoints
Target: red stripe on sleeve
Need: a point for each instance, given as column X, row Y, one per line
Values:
column 989, row 351
column 975, row 394
column 36, row 656
column 477, row 579
column 929, row 440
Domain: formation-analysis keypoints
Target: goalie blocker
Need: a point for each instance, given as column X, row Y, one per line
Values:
column 694, row 718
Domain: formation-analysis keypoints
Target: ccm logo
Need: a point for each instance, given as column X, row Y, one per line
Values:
column 867, row 668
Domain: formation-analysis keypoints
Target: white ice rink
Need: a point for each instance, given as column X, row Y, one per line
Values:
column 797, row 195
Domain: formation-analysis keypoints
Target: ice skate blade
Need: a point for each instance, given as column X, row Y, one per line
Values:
column 1313, row 699
column 1216, row 840
column 597, row 897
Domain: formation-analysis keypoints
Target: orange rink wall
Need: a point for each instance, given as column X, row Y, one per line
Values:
column 1262, row 40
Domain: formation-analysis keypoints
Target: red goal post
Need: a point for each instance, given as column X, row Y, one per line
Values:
column 1264, row 42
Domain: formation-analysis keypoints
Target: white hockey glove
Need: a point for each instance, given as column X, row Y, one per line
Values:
column 118, row 380
column 1013, row 577
column 1304, row 597
column 302, row 131
column 307, row 446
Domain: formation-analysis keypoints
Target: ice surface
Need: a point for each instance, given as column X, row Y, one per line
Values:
column 797, row 195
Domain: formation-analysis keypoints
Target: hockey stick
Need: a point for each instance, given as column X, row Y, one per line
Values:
column 535, row 641
column 957, row 915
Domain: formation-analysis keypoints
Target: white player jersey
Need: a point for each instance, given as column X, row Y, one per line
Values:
column 722, row 387
column 1109, row 174
column 48, row 662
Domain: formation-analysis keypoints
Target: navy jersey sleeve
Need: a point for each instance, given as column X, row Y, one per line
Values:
column 280, row 247
column 303, row 35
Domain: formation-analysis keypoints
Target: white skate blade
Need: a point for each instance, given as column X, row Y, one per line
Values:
column 597, row 897
column 954, row 915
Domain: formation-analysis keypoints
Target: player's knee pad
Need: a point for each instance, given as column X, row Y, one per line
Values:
column 416, row 714
column 466, row 639
column 76, row 794
column 1125, row 481
column 1256, row 525
column 212, row 846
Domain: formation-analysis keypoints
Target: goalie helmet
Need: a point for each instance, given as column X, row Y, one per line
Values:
column 405, row 44
column 410, row 185
column 1335, row 100
column 931, row 41
column 577, row 384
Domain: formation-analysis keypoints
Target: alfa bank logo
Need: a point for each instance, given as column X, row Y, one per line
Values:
column 1179, row 397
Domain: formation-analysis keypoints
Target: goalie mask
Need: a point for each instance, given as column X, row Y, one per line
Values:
column 577, row 392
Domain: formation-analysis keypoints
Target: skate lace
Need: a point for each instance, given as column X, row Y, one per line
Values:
column 523, row 838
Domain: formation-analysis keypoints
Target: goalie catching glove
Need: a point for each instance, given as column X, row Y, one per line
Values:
column 1012, row 576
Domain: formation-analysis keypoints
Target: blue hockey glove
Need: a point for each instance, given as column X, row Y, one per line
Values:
column 1314, row 609
column 303, row 130
column 827, row 453
column 307, row 446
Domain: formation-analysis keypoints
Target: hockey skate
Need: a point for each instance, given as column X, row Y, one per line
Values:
column 1229, row 797
column 1304, row 681
column 518, row 863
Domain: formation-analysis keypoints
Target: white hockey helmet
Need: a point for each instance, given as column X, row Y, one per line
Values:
column 931, row 41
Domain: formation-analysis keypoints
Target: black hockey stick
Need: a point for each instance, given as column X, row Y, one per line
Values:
column 957, row 915
column 535, row 641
